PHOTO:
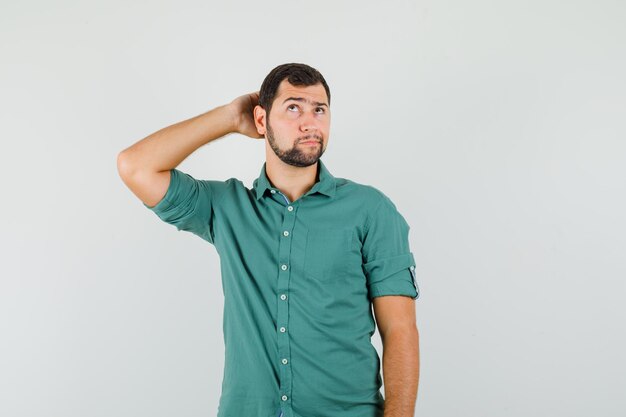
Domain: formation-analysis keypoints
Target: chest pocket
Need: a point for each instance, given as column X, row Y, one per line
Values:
column 327, row 252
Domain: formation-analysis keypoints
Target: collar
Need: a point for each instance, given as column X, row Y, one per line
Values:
column 326, row 184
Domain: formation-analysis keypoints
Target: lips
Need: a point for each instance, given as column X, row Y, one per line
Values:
column 310, row 142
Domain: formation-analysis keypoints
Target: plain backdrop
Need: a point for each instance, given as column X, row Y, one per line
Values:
column 496, row 127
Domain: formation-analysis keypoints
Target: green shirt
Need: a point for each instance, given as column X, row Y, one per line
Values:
column 298, row 279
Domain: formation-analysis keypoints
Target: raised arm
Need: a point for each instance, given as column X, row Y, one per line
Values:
column 145, row 166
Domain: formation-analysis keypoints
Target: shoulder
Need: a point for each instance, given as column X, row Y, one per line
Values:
column 218, row 189
column 370, row 196
column 376, row 205
column 223, row 184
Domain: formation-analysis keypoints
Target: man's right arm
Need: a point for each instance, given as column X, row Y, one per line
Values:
column 145, row 166
column 148, row 167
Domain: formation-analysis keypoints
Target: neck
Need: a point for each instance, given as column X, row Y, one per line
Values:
column 292, row 181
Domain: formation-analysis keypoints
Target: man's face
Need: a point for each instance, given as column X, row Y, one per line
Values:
column 299, row 115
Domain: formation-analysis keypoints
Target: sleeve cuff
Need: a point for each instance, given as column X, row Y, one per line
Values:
column 399, row 283
column 165, row 202
column 392, row 276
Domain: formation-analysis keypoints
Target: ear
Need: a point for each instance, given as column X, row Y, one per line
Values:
column 259, row 119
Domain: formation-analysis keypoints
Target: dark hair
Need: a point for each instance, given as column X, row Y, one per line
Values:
column 296, row 74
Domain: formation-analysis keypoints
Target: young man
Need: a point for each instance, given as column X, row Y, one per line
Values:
column 304, row 256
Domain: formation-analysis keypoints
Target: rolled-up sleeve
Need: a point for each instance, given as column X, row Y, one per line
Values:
column 189, row 204
column 388, row 263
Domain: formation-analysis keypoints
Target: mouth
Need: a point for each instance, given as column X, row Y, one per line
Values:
column 310, row 142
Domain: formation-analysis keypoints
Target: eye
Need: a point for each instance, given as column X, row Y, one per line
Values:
column 318, row 108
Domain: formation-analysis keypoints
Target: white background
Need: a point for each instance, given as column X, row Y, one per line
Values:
column 496, row 127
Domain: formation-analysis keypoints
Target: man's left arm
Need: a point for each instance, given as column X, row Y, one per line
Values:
column 395, row 317
column 389, row 268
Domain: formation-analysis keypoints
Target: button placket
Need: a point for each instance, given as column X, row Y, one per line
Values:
column 284, row 196
column 282, row 323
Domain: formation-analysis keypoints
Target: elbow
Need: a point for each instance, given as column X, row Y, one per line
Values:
column 124, row 167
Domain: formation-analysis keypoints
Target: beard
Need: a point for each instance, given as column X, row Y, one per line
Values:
column 298, row 155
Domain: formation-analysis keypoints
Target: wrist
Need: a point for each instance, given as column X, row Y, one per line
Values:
column 232, row 116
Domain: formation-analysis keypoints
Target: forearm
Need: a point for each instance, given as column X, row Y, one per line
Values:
column 401, row 371
column 168, row 147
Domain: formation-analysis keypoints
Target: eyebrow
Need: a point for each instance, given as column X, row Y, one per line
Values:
column 317, row 103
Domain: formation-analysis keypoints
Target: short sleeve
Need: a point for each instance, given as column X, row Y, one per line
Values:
column 388, row 263
column 189, row 204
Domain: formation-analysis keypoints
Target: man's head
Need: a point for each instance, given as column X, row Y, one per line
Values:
column 298, row 100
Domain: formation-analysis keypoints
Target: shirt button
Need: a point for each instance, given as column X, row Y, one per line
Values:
column 284, row 398
column 285, row 361
column 285, row 233
column 283, row 297
column 290, row 208
column 283, row 267
column 283, row 330
column 412, row 267
column 273, row 191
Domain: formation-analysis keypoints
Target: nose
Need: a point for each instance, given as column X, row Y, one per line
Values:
column 308, row 124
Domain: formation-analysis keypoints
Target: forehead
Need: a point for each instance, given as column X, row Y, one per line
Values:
column 313, row 93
